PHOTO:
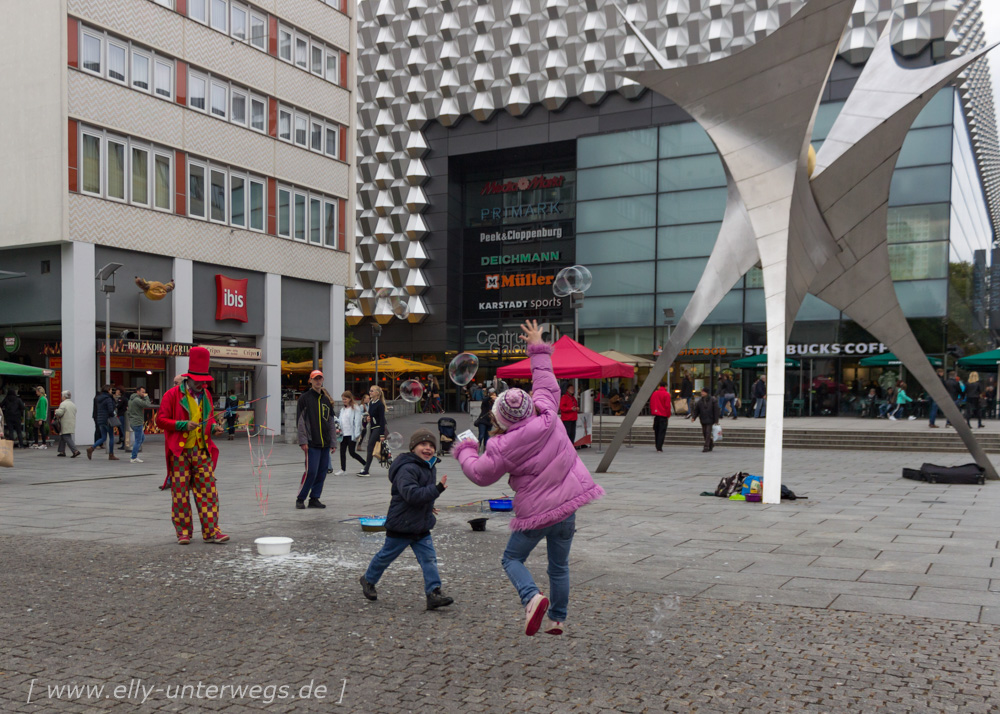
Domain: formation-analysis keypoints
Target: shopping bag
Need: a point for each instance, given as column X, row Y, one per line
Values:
column 680, row 407
column 377, row 449
column 6, row 453
column 716, row 432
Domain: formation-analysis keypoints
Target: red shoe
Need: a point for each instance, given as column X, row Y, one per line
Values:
column 534, row 612
column 553, row 628
column 183, row 539
column 219, row 537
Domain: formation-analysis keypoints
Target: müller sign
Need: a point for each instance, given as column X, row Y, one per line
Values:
column 823, row 348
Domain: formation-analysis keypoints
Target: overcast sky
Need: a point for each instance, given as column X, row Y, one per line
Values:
column 991, row 20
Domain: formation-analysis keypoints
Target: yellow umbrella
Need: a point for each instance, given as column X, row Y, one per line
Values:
column 307, row 367
column 397, row 365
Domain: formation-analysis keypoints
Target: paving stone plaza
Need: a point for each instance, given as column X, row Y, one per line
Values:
column 875, row 594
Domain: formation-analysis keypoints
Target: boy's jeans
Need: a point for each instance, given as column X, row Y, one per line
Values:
column 138, row 436
column 558, row 539
column 423, row 548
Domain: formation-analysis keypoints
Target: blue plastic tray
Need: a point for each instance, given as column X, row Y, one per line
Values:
column 501, row 504
column 372, row 524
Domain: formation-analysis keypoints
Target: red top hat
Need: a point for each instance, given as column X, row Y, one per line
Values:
column 198, row 365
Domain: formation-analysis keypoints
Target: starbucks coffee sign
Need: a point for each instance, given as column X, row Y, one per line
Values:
column 11, row 342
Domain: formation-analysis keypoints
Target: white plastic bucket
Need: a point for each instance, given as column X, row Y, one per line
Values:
column 275, row 545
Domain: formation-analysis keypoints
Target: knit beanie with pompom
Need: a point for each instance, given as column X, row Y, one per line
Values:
column 512, row 406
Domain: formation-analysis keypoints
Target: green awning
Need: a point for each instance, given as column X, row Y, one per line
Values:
column 759, row 361
column 12, row 369
column 983, row 359
column 888, row 359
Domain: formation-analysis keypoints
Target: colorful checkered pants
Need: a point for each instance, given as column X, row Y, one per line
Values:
column 192, row 472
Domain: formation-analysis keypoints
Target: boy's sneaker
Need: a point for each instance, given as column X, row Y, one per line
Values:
column 135, row 461
column 435, row 599
column 553, row 628
column 369, row 590
column 534, row 612
column 339, row 473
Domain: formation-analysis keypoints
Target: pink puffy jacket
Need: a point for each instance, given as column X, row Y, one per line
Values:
column 548, row 478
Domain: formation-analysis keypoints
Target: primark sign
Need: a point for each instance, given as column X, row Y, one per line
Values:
column 823, row 349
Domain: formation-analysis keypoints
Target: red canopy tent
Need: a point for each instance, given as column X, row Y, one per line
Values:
column 571, row 360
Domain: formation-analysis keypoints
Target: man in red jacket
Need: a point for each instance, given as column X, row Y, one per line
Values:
column 659, row 405
column 568, row 409
column 185, row 415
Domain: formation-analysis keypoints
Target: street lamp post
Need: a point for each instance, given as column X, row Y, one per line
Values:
column 104, row 275
column 668, row 322
column 376, row 332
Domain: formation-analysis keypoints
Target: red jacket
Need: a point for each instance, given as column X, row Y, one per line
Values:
column 173, row 409
column 568, row 407
column 659, row 403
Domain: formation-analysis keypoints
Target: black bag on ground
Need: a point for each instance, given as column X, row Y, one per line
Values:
column 964, row 474
column 730, row 485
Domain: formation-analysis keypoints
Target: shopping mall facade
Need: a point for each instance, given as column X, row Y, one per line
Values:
column 494, row 190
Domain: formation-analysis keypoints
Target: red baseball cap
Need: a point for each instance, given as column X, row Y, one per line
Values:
column 315, row 373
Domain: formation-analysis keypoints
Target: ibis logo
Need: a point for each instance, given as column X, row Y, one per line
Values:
column 230, row 299
column 517, row 280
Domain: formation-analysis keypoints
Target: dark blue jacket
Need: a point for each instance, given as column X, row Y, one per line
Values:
column 414, row 490
column 104, row 408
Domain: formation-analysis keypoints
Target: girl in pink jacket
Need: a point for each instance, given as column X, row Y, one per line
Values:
column 549, row 480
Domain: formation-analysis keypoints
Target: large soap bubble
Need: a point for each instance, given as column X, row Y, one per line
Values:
column 411, row 390
column 463, row 368
column 574, row 279
column 395, row 441
column 383, row 293
column 399, row 307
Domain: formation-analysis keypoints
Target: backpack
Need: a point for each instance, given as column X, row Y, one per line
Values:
column 730, row 485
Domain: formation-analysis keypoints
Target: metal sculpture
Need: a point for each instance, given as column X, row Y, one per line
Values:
column 830, row 238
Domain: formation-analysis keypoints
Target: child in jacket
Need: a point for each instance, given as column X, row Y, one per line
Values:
column 411, row 518
column 549, row 480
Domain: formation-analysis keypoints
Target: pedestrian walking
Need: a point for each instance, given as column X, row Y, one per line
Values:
column 760, row 397
column 484, row 421
column 659, row 407
column 687, row 390
column 934, row 405
column 230, row 415
column 549, row 480
column 727, row 395
column 954, row 387
column 138, row 403
column 707, row 412
column 902, row 399
column 104, row 410
column 121, row 411
column 317, row 431
column 185, row 415
column 973, row 399
column 41, row 418
column 377, row 425
column 351, row 418
column 568, row 410
column 13, row 416
column 66, row 414
column 410, row 518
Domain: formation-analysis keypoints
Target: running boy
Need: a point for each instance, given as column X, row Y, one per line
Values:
column 411, row 517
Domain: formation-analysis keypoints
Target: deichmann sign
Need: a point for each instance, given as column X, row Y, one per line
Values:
column 544, row 257
column 823, row 349
column 522, row 184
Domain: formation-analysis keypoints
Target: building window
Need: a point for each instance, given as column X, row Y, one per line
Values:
column 284, row 213
column 117, row 60
column 164, row 79
column 284, row 125
column 162, row 183
column 330, row 224
column 140, row 176
column 140, row 70
column 258, row 114
column 317, row 60
column 285, row 44
column 116, row 170
column 333, row 66
column 331, row 141
column 196, row 190
column 301, row 129
column 300, row 216
column 91, row 164
column 237, row 200
column 90, row 52
column 219, row 99
column 166, row 3
column 238, row 113
column 197, row 90
column 316, row 137
column 315, row 221
column 256, row 205
column 218, row 196
column 219, row 15
column 238, row 22
column 301, row 52
column 198, row 10
column 258, row 31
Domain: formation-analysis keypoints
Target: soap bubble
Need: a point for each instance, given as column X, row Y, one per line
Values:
column 411, row 390
column 463, row 368
column 662, row 613
column 574, row 279
column 395, row 441
column 383, row 292
column 399, row 307
column 501, row 386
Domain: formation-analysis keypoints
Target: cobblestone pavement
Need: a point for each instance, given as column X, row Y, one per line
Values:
column 875, row 595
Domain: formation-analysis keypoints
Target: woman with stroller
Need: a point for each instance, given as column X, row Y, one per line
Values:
column 351, row 418
column 549, row 480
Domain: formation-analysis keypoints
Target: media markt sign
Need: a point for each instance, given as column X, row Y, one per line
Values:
column 11, row 342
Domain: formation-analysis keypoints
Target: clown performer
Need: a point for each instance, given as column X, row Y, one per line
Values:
column 185, row 416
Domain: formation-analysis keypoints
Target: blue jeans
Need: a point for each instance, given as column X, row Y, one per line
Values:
column 934, row 412
column 423, row 548
column 484, row 434
column 108, row 435
column 138, row 436
column 318, row 463
column 558, row 539
column 760, row 408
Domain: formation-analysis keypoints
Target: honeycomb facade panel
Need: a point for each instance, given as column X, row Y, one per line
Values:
column 444, row 61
